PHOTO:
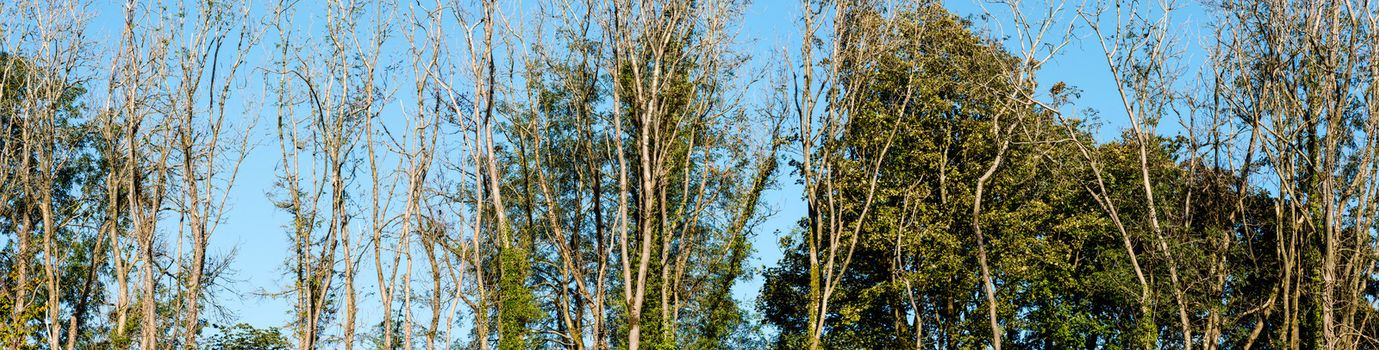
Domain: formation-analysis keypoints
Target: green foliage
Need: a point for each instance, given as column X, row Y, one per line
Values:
column 74, row 185
column 1059, row 266
column 245, row 337
column 518, row 309
column 701, row 202
column 912, row 256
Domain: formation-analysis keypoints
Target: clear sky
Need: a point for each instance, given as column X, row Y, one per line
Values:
column 253, row 227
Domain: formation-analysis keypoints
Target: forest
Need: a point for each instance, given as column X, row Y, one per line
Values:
column 603, row 174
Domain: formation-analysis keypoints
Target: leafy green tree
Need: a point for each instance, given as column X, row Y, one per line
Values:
column 75, row 181
column 912, row 256
column 1057, row 265
column 246, row 337
column 679, row 172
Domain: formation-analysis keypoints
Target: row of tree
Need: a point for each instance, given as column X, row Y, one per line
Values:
column 570, row 178
column 590, row 175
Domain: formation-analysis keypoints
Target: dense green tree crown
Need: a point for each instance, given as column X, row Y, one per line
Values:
column 1062, row 270
column 245, row 337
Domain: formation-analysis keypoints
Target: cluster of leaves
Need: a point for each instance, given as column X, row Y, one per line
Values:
column 245, row 337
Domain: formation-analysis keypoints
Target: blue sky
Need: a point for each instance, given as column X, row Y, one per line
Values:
column 253, row 227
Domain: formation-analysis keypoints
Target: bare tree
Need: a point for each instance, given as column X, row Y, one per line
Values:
column 655, row 49
column 209, row 154
column 1288, row 70
column 823, row 102
column 336, row 81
